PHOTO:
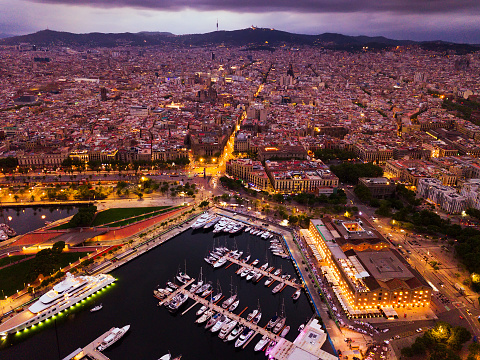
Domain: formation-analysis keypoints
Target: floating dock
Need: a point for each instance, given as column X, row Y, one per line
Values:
column 264, row 273
column 90, row 351
column 219, row 309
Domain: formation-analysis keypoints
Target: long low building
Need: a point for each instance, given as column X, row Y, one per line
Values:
column 365, row 274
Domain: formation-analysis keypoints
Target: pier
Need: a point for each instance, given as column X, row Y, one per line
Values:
column 90, row 350
column 200, row 300
column 265, row 273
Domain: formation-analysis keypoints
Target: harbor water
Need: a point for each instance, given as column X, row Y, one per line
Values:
column 154, row 331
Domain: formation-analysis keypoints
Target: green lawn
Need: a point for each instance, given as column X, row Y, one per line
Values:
column 112, row 215
column 137, row 219
column 61, row 227
column 13, row 277
column 10, row 259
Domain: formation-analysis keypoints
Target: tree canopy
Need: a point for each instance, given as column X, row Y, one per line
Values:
column 349, row 173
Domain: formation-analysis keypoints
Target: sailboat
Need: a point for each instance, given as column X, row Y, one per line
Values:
column 199, row 284
column 232, row 297
column 182, row 276
column 281, row 319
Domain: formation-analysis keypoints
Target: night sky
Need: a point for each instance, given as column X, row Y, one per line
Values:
column 450, row 20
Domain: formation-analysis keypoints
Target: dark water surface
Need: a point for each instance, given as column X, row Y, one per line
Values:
column 154, row 331
column 24, row 220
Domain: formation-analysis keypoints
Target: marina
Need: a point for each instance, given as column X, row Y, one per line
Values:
column 135, row 283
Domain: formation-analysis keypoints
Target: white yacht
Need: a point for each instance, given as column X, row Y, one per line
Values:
column 235, row 332
column 219, row 324
column 246, row 334
column 61, row 297
column 262, row 343
column 114, row 335
column 226, row 329
column 220, row 262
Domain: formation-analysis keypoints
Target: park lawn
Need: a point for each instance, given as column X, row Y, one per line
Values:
column 62, row 227
column 12, row 278
column 117, row 214
column 10, row 259
column 140, row 218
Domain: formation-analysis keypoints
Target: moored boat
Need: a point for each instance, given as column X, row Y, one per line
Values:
column 262, row 343
column 113, row 336
column 285, row 331
column 244, row 336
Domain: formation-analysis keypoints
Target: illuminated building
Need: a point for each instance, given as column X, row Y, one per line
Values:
column 365, row 274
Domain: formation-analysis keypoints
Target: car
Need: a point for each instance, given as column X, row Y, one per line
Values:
column 419, row 330
column 468, row 312
column 461, row 317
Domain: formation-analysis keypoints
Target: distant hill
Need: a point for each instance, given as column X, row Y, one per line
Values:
column 2, row 35
column 254, row 38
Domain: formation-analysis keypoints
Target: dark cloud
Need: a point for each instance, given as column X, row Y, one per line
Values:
column 315, row 6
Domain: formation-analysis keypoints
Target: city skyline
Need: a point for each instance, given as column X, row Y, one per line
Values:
column 445, row 20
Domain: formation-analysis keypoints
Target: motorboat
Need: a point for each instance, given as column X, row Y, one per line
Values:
column 255, row 262
column 172, row 285
column 244, row 336
column 270, row 347
column 96, row 308
column 270, row 269
column 209, row 260
column 273, row 321
column 237, row 330
column 177, row 301
column 268, row 281
column 245, row 272
column 205, row 316
column 285, row 331
column 262, row 343
column 246, row 259
column 296, row 295
column 251, row 275
column 264, row 266
column 202, row 310
column 277, row 288
column 220, row 262
column 166, row 357
column 113, row 336
column 226, row 329
column 277, row 272
column 279, row 325
column 211, row 223
column 219, row 324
